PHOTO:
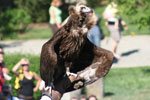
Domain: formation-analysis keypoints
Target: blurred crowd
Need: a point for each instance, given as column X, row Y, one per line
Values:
column 115, row 25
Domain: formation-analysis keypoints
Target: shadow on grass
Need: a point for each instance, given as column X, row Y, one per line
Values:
column 108, row 94
column 146, row 71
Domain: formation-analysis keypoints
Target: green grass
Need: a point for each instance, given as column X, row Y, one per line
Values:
column 128, row 84
column 120, row 83
column 37, row 31
column 40, row 32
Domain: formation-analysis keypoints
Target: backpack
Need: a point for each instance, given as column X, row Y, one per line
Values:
column 20, row 78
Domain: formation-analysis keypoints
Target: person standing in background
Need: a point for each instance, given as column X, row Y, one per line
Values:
column 4, row 68
column 25, row 84
column 95, row 33
column 1, row 73
column 55, row 15
column 114, row 26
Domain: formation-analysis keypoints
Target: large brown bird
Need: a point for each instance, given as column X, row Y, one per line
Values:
column 69, row 47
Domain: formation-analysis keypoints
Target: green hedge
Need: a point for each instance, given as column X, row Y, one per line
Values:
column 137, row 10
column 12, row 59
column 12, row 21
column 37, row 9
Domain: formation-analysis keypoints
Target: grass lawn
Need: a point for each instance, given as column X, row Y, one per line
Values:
column 128, row 84
column 33, row 31
column 38, row 31
column 120, row 83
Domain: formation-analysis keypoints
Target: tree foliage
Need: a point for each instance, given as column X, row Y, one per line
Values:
column 16, row 15
column 138, row 10
column 37, row 9
column 93, row 3
column 13, row 20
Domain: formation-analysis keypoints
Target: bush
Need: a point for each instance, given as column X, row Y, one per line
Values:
column 37, row 9
column 13, row 20
column 137, row 10
column 93, row 3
